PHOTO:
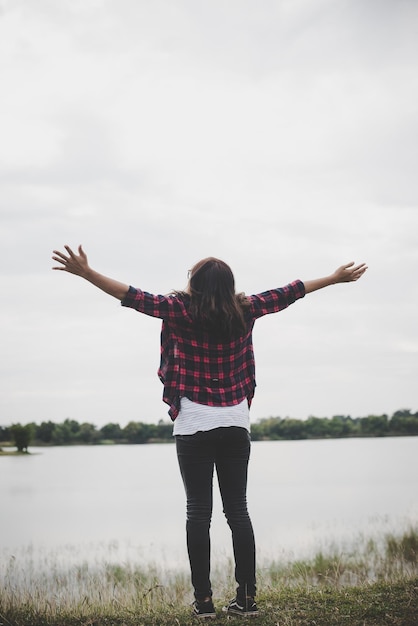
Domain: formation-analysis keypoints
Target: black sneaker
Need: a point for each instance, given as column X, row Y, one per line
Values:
column 245, row 608
column 204, row 610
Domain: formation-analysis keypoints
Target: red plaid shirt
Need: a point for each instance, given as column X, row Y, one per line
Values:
column 194, row 364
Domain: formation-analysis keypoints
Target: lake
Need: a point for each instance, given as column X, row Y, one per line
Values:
column 127, row 503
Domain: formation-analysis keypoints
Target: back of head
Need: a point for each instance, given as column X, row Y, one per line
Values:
column 214, row 303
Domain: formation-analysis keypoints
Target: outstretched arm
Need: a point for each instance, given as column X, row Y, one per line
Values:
column 78, row 264
column 344, row 274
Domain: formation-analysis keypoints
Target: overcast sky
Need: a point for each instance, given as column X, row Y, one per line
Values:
column 280, row 136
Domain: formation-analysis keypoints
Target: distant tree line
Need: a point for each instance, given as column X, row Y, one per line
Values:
column 71, row 432
column 401, row 423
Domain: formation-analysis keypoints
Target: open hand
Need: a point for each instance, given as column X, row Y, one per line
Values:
column 71, row 262
column 349, row 272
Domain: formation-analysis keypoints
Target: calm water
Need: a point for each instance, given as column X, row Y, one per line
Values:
column 127, row 502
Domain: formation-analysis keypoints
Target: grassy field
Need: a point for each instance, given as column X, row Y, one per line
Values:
column 375, row 585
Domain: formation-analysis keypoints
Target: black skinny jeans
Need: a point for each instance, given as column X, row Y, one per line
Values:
column 227, row 449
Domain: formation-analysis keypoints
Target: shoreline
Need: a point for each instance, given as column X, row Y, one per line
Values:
column 375, row 586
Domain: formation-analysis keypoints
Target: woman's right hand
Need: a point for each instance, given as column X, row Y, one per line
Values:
column 71, row 262
column 349, row 272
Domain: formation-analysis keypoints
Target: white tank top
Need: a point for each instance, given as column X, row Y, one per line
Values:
column 194, row 417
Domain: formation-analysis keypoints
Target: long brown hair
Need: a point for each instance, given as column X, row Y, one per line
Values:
column 213, row 301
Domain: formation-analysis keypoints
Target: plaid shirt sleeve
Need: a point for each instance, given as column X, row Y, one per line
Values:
column 164, row 307
column 276, row 300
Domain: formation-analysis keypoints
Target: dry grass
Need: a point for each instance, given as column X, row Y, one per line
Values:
column 376, row 585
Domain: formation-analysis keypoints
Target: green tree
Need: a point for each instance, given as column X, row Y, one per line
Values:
column 73, row 428
column 164, row 430
column 374, row 425
column 404, row 423
column 272, row 428
column 5, row 433
column 64, row 433
column 111, row 431
column 45, row 432
column 292, row 429
column 22, row 436
column 317, row 427
column 341, row 426
column 87, row 433
column 135, row 432
column 402, row 413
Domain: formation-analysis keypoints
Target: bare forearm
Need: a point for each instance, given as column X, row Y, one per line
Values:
column 108, row 285
column 317, row 283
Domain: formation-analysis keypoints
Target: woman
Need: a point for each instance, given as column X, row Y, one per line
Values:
column 208, row 372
